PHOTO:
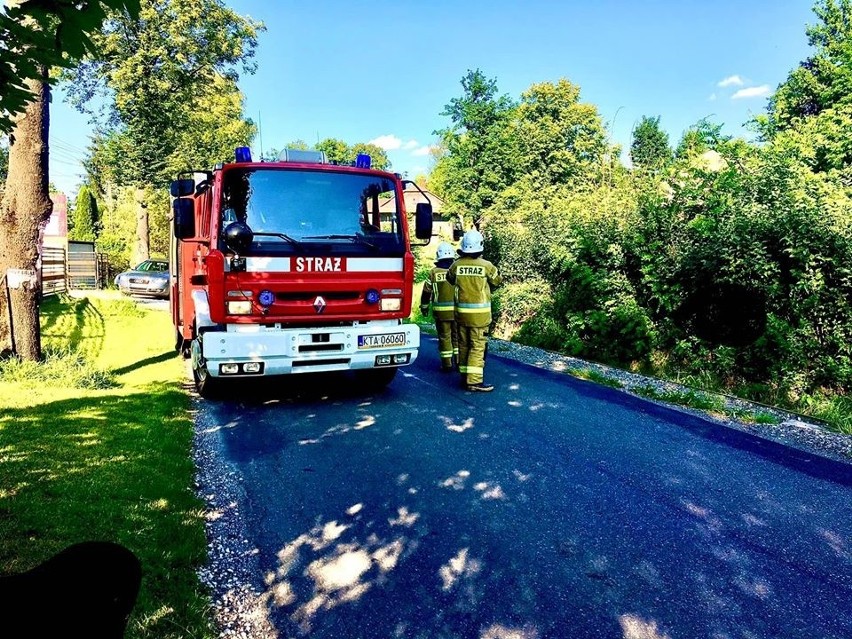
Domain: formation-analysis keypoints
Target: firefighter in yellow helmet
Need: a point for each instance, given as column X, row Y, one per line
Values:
column 473, row 278
column 440, row 292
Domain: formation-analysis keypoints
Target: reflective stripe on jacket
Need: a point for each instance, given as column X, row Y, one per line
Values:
column 437, row 289
column 473, row 279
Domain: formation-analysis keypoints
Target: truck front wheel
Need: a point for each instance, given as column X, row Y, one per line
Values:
column 207, row 386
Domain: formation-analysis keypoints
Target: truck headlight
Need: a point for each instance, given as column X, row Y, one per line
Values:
column 390, row 304
column 239, row 308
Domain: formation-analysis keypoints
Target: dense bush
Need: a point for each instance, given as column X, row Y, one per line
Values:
column 518, row 302
column 756, row 257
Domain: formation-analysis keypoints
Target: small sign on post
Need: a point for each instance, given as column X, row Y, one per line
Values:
column 20, row 278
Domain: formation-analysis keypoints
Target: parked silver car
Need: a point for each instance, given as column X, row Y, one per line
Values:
column 151, row 278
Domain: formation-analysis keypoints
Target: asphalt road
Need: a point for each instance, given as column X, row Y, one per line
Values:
column 551, row 507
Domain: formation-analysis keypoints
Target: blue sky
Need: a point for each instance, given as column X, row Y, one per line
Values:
column 382, row 71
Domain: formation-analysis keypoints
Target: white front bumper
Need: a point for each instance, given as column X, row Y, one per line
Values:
column 285, row 351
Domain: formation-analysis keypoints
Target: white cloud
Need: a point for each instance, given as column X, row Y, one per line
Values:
column 712, row 97
column 423, row 150
column 387, row 142
column 731, row 81
column 752, row 92
column 390, row 142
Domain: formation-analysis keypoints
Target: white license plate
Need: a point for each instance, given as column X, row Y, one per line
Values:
column 386, row 340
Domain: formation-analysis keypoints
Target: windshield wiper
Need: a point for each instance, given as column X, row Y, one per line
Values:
column 283, row 236
column 355, row 237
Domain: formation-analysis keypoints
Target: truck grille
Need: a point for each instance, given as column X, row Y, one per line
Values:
column 310, row 296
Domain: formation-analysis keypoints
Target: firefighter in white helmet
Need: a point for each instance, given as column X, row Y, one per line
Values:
column 473, row 278
column 442, row 296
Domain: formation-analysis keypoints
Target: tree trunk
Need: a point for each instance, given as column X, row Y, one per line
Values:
column 24, row 209
column 143, row 247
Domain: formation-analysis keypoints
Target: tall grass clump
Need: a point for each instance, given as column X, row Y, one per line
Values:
column 62, row 367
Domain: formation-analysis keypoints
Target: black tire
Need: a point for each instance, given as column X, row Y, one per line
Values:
column 377, row 378
column 207, row 386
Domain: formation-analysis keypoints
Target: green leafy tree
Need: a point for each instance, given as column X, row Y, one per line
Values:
column 559, row 138
column 212, row 130
column 156, row 73
column 118, row 226
column 378, row 156
column 339, row 152
column 810, row 113
column 477, row 163
column 36, row 37
column 824, row 79
column 702, row 136
column 650, row 146
column 85, row 218
column 44, row 35
column 336, row 151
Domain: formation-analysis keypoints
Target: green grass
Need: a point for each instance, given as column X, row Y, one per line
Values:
column 95, row 445
column 833, row 409
column 690, row 398
column 708, row 402
column 757, row 417
column 594, row 376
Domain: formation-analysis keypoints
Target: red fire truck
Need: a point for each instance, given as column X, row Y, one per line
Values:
column 293, row 266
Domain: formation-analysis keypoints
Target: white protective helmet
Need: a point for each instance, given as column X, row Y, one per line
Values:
column 445, row 251
column 472, row 242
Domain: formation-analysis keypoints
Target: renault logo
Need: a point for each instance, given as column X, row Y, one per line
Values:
column 319, row 304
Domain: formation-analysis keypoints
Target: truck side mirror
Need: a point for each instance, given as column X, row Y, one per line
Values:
column 184, row 221
column 423, row 221
column 181, row 188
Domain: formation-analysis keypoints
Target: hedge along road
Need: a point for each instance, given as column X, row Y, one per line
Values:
column 551, row 507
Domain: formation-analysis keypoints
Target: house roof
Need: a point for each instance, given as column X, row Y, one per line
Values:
column 412, row 197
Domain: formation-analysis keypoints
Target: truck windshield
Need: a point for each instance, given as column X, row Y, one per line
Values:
column 286, row 208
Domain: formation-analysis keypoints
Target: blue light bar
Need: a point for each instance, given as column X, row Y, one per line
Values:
column 363, row 161
column 243, row 154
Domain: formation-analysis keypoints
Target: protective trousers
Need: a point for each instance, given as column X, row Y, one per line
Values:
column 448, row 341
column 472, row 343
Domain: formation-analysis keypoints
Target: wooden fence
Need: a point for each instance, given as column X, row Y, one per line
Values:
column 53, row 271
column 82, row 269
column 61, row 270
